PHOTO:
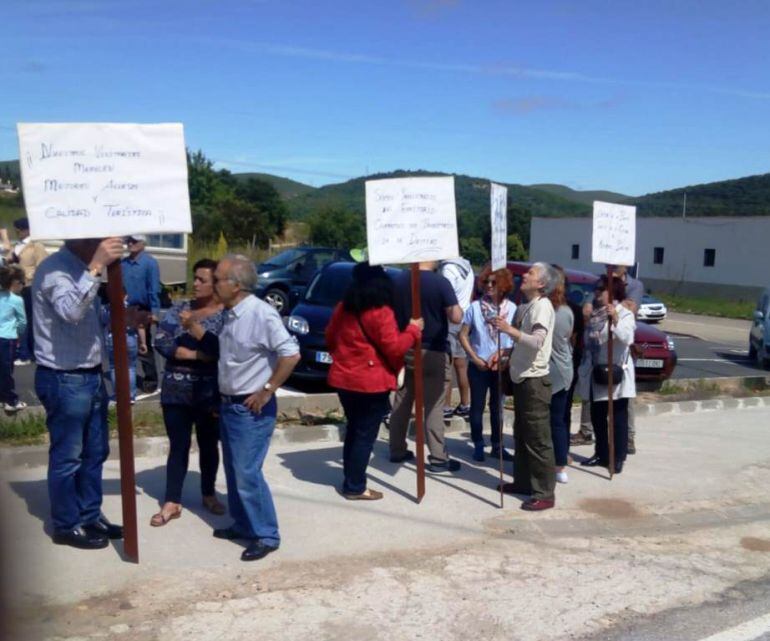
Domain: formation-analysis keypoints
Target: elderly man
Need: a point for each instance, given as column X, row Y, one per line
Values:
column 69, row 345
column 141, row 280
column 532, row 331
column 256, row 355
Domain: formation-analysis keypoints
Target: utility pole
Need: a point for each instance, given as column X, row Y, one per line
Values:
column 684, row 206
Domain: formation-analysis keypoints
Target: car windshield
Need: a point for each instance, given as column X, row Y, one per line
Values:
column 328, row 287
column 580, row 293
column 284, row 258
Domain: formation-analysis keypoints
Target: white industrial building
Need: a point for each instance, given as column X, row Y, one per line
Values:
column 719, row 256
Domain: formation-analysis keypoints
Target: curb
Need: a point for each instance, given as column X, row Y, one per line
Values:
column 288, row 434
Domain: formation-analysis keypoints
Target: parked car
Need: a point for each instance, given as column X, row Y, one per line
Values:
column 759, row 334
column 658, row 358
column 308, row 320
column 652, row 310
column 283, row 278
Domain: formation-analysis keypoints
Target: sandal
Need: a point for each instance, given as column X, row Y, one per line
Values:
column 213, row 505
column 366, row 495
column 161, row 519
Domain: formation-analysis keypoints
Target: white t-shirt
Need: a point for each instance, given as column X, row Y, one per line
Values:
column 459, row 272
column 527, row 362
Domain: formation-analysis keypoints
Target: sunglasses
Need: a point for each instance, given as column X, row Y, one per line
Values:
column 490, row 282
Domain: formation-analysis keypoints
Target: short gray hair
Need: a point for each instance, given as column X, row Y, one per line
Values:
column 549, row 277
column 242, row 271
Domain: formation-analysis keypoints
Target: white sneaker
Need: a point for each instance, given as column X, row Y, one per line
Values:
column 18, row 362
column 20, row 405
column 146, row 395
column 561, row 477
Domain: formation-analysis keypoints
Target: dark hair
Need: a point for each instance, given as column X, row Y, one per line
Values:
column 618, row 287
column 205, row 263
column 21, row 223
column 10, row 273
column 371, row 288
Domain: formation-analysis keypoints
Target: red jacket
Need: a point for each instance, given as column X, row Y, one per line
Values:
column 356, row 365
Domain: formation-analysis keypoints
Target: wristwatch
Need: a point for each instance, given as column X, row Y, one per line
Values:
column 267, row 387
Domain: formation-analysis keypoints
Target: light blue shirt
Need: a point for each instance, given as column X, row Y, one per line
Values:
column 252, row 340
column 480, row 338
column 13, row 320
column 141, row 280
column 66, row 316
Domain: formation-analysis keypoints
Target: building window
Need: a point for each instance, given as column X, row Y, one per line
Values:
column 575, row 252
column 657, row 257
column 709, row 257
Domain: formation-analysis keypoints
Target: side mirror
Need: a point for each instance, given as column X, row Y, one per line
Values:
column 758, row 315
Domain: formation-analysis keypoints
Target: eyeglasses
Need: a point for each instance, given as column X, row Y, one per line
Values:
column 132, row 241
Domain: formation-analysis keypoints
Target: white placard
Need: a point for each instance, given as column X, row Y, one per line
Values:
column 614, row 234
column 409, row 220
column 498, row 201
column 94, row 180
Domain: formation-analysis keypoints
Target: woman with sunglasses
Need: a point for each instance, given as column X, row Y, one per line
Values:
column 596, row 341
column 479, row 339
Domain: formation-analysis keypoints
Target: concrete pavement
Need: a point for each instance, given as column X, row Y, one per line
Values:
column 727, row 331
column 688, row 519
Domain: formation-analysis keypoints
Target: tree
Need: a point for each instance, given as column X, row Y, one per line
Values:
column 335, row 226
column 243, row 222
column 474, row 250
column 262, row 194
column 516, row 249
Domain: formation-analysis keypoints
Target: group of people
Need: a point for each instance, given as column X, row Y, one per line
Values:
column 547, row 347
column 227, row 352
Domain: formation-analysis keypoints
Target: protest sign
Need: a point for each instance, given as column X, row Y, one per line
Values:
column 498, row 196
column 409, row 220
column 614, row 234
column 94, row 180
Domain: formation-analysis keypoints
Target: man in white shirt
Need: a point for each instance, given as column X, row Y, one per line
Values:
column 256, row 355
column 459, row 272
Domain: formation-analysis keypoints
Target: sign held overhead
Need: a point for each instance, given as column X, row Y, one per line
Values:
column 498, row 196
column 409, row 220
column 614, row 234
column 94, row 180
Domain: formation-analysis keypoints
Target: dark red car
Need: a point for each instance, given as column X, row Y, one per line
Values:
column 658, row 357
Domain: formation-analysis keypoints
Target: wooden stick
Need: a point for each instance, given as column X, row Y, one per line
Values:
column 419, row 395
column 123, row 397
column 501, row 413
column 610, row 389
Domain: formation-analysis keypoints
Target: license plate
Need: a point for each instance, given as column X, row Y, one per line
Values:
column 649, row 363
column 323, row 357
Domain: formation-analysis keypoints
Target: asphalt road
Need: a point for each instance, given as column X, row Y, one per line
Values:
column 707, row 348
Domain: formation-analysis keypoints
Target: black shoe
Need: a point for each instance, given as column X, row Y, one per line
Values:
column 105, row 528
column 631, row 447
column 594, row 461
column 495, row 453
column 229, row 534
column 463, row 411
column 449, row 465
column 256, row 551
column 402, row 458
column 618, row 467
column 79, row 538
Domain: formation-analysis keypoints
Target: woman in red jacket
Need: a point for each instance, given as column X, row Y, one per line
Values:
column 367, row 352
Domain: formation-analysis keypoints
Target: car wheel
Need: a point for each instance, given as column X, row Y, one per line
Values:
column 279, row 299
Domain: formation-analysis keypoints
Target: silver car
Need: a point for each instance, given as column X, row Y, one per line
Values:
column 759, row 335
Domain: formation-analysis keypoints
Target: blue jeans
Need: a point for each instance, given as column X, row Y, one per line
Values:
column 7, row 385
column 245, row 439
column 76, row 415
column 364, row 413
column 482, row 382
column 560, row 427
column 132, row 344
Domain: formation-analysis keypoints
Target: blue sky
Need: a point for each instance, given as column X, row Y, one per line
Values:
column 629, row 96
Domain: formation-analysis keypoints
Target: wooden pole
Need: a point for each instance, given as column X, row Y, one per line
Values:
column 500, row 411
column 419, row 395
column 610, row 388
column 123, row 397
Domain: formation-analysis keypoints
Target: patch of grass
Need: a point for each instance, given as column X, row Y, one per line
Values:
column 23, row 429
column 708, row 306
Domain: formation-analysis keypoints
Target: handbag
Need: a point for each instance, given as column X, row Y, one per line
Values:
column 401, row 374
column 601, row 374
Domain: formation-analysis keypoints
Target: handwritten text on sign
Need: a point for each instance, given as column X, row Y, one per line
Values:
column 499, row 205
column 92, row 180
column 409, row 220
column 614, row 234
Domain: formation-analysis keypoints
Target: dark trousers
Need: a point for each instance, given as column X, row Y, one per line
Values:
column 364, row 413
column 76, row 416
column 149, row 378
column 26, row 350
column 481, row 383
column 533, row 465
column 599, row 419
column 179, row 420
column 560, row 427
column 7, row 385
